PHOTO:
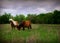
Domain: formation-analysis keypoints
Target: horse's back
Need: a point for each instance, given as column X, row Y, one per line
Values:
column 27, row 23
column 16, row 22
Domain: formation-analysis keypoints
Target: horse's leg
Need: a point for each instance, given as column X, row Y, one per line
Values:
column 18, row 28
column 23, row 28
column 12, row 27
column 30, row 27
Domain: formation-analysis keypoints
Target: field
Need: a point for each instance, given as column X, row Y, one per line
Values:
column 40, row 33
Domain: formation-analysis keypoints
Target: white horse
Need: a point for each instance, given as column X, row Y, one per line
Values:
column 13, row 23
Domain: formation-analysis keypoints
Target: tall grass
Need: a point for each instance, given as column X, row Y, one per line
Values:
column 40, row 33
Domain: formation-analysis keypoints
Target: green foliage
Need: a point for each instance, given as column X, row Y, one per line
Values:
column 5, row 18
column 32, row 18
column 44, row 33
column 19, row 18
column 43, row 18
column 48, row 18
column 56, row 17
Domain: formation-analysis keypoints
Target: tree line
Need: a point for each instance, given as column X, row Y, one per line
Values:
column 43, row 18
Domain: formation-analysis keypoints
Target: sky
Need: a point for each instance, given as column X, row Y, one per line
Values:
column 28, row 6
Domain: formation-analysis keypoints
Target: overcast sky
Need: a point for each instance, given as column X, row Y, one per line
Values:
column 28, row 6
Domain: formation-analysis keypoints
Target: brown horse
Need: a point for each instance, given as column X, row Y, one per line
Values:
column 24, row 24
column 13, row 23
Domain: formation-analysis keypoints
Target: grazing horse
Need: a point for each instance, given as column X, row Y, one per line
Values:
column 24, row 24
column 13, row 23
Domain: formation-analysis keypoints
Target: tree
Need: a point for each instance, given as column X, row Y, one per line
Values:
column 43, row 18
column 5, row 18
column 32, row 17
column 56, row 17
column 19, row 18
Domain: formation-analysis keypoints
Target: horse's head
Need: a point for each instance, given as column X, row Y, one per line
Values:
column 10, row 19
column 19, row 26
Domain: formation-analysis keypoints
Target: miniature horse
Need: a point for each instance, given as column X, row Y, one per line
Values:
column 13, row 23
column 24, row 24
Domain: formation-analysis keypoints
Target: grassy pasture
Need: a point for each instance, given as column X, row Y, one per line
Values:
column 40, row 33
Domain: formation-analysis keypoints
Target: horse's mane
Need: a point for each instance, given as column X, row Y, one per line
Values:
column 13, row 22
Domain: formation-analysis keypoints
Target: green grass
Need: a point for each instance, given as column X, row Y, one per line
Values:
column 40, row 33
